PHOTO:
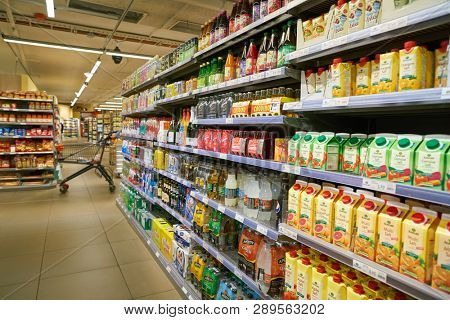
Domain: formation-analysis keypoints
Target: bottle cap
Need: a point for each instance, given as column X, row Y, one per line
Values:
column 320, row 269
column 408, row 45
column 363, row 60
column 357, row 288
column 306, row 261
column 346, row 199
column 380, row 141
column 369, row 205
column 309, row 72
column 432, row 144
column 418, row 217
column 337, row 278
column 404, row 142
column 337, row 60
column 373, row 285
column 392, row 211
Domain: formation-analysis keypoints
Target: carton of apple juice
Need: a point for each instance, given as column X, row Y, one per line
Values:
column 325, row 152
column 378, row 156
column 305, row 151
column 324, row 217
column 363, row 152
column 351, row 159
column 294, row 203
column 307, row 210
column 345, row 219
column 341, row 139
column 401, row 158
column 441, row 262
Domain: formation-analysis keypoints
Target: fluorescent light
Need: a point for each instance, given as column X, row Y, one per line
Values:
column 94, row 69
column 73, row 102
column 78, row 94
column 114, row 103
column 51, row 45
column 50, row 8
column 106, row 109
column 128, row 55
column 117, row 99
column 110, row 106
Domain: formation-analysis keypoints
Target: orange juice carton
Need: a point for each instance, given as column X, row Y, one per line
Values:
column 325, row 152
column 281, row 150
column 351, row 159
column 363, row 153
column 290, row 275
column 366, row 226
column 341, row 78
column 412, row 67
column 418, row 237
column 363, row 73
column 306, row 146
column 307, row 210
column 430, row 160
column 341, row 139
column 166, row 243
column 345, row 219
column 352, row 78
column 340, row 19
column 356, row 292
column 319, row 281
column 294, row 203
column 390, row 234
column 441, row 257
column 401, row 158
column 351, row 278
column 441, row 63
column 372, row 13
column 304, row 277
column 375, row 290
column 310, row 81
column 336, row 288
column 389, row 66
column 324, row 217
column 356, row 17
column 375, row 74
column 378, row 156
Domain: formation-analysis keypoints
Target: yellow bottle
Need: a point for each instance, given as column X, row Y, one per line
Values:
column 356, row 293
column 304, row 270
column 363, row 76
column 441, row 60
column 341, row 79
column 319, row 281
column 389, row 64
column 336, row 288
column 375, row 74
column 290, row 275
column 412, row 67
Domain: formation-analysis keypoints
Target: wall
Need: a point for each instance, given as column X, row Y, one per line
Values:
column 27, row 83
column 65, row 112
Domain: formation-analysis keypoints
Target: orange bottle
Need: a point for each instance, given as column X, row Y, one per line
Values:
column 230, row 67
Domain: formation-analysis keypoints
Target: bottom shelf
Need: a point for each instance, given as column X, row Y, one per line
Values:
column 45, row 186
column 185, row 287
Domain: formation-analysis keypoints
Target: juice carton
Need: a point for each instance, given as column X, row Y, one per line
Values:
column 281, row 150
column 340, row 22
column 308, row 30
column 418, row 234
column 324, row 217
column 429, row 166
column 401, row 158
column 293, row 149
column 441, row 262
column 306, row 145
column 345, row 219
column 166, row 242
column 341, row 139
column 389, row 64
column 396, row 295
column 441, row 61
column 341, row 80
column 378, row 156
column 390, row 234
column 309, row 253
column 366, row 226
column 447, row 176
column 356, row 17
column 356, row 292
column 373, row 13
column 319, row 283
column 290, row 276
column 351, row 161
column 294, row 203
column 336, row 288
column 375, row 74
column 303, row 285
column 352, row 77
column 412, row 67
column 429, row 68
column 321, row 80
column 310, row 81
column 363, row 74
column 307, row 210
column 319, row 24
column 325, row 152
column 375, row 290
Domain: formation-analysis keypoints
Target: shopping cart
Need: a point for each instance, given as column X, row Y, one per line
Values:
column 87, row 154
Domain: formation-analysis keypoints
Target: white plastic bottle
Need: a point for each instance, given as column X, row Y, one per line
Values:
column 231, row 189
column 252, row 196
column 241, row 179
column 265, row 199
column 264, row 265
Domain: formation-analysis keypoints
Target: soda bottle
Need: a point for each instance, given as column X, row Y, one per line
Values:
column 261, row 64
column 272, row 52
column 251, row 58
column 229, row 67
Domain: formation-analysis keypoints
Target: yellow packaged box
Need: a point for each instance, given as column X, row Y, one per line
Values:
column 341, row 78
column 319, row 281
column 356, row 292
column 345, row 219
column 290, row 276
column 324, row 216
column 441, row 60
column 412, row 67
column 389, row 65
column 441, row 262
column 307, row 210
column 158, row 224
column 303, row 284
column 294, row 203
column 363, row 76
column 166, row 242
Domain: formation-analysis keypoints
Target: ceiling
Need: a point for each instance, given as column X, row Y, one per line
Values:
column 61, row 72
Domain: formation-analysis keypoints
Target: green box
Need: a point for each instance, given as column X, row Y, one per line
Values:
column 401, row 158
column 325, row 152
column 378, row 156
column 305, row 151
column 351, row 161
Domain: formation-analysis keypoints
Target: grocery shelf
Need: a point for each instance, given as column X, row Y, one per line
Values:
column 423, row 19
column 236, row 215
column 26, row 110
column 270, row 120
column 26, row 169
column 26, row 137
column 24, row 153
column 30, row 187
column 229, row 260
column 26, row 123
column 23, row 99
column 393, row 278
column 171, row 270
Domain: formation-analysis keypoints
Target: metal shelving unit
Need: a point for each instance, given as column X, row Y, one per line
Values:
column 271, row 120
column 26, row 110
column 26, row 137
column 50, row 124
column 25, row 153
column 26, row 169
column 27, row 100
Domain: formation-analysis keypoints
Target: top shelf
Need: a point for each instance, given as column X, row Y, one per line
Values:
column 27, row 100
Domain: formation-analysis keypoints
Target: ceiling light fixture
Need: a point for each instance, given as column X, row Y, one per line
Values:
column 128, row 55
column 93, row 71
column 78, row 94
column 114, row 103
column 73, row 102
column 51, row 45
column 116, row 98
column 50, row 8
column 110, row 106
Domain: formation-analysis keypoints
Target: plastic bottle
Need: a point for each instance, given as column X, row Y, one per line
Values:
column 219, row 77
column 223, row 26
column 222, row 181
column 213, row 72
column 272, row 52
column 252, row 196
column 264, row 265
column 243, row 62
column 229, row 71
column 207, row 73
column 241, row 180
column 231, row 189
column 265, row 198
column 261, row 64
column 251, row 59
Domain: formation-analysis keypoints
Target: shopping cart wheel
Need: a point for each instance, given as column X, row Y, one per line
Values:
column 63, row 188
column 112, row 188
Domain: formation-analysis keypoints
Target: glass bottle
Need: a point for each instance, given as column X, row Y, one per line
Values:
column 262, row 56
column 271, row 59
column 212, row 184
column 220, row 71
column 207, row 73
column 280, row 56
column 246, row 14
column 289, row 43
column 243, row 61
column 213, row 73
column 252, row 57
column 231, row 22
column 237, row 20
column 256, row 10
column 229, row 67
column 264, row 9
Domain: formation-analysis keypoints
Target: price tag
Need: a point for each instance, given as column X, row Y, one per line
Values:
column 379, row 185
column 223, row 156
column 238, row 273
column 389, row 26
column 222, row 85
column 196, row 91
column 243, row 80
column 335, row 102
column 184, row 290
column 274, row 72
column 168, row 269
column 221, row 208
column 287, row 232
column 148, row 242
column 334, row 43
column 239, row 218
column 261, row 229
column 157, row 254
column 258, row 76
column 373, row 272
column 445, row 93
column 129, row 216
column 205, row 200
column 229, row 120
column 293, row 105
column 298, row 171
column 302, row 52
column 287, row 168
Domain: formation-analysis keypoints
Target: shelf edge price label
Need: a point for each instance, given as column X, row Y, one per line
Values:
column 379, row 185
column 287, row 232
column 219, row 258
column 258, row 76
column 287, row 168
column 334, row 43
column 157, row 254
column 335, row 102
column 148, row 242
column 239, row 218
column 373, row 272
column 389, row 26
column 238, row 273
column 261, row 229
column 445, row 94
column 223, row 156
column 184, row 290
column 221, row 208
column 229, row 120
column 205, row 200
column 168, row 269
column 243, row 79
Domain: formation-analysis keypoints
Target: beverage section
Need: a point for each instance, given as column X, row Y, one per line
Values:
column 292, row 152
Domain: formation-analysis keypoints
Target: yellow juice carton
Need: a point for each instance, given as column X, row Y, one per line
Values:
column 303, row 285
column 375, row 74
column 441, row 62
column 429, row 68
column 356, row 292
column 341, row 138
column 363, row 76
column 340, row 19
column 429, row 168
column 166, row 243
column 345, row 219
column 351, row 159
column 388, row 76
column 396, row 295
column 290, row 276
column 412, row 67
column 401, row 158
column 305, row 151
column 352, row 77
column 341, row 78
column 307, row 210
column 294, row 203
column 309, row 253
column 373, row 13
column 366, row 226
column 310, row 81
column 350, row 278
column 418, row 234
column 325, row 152
column 324, row 217
column 356, row 16
column 390, row 234
column 336, row 288
column 321, row 80
column 378, row 156
column 441, row 258
column 319, row 24
column 319, row 281
column 375, row 290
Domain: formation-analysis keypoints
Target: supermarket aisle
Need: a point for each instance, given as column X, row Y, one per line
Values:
column 74, row 246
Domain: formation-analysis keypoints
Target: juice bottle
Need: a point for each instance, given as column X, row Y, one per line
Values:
column 229, row 67
column 340, row 22
column 251, row 58
column 305, row 151
column 231, row 22
column 336, row 288
column 351, row 161
column 356, row 16
column 251, row 199
column 401, row 158
column 294, row 203
column 304, row 277
column 389, row 234
column 412, row 67
column 319, row 281
column 272, row 51
column 243, row 63
column 378, row 156
column 307, row 210
column 261, row 64
column 441, row 63
column 375, row 75
column 441, row 258
column 246, row 15
column 324, row 213
column 321, row 80
column 356, row 292
column 340, row 78
column 366, row 226
column 345, row 219
column 289, row 44
column 290, row 277
column 231, row 197
column 418, row 238
column 363, row 73
column 389, row 67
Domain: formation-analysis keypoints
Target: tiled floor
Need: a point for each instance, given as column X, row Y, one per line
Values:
column 74, row 246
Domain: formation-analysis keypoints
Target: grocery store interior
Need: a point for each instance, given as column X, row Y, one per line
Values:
column 224, row 150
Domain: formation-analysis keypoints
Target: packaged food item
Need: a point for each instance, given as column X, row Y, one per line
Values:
column 412, row 67
column 345, row 219
column 375, row 290
column 441, row 258
column 281, row 150
column 319, row 25
column 340, row 78
column 401, row 158
column 304, row 278
column 336, row 288
column 372, row 13
column 341, row 138
column 293, row 149
column 166, row 242
column 340, row 23
column 441, row 63
column 418, row 236
column 306, row 146
column 363, row 76
column 290, row 278
column 308, row 30
column 389, row 68
column 310, row 81
column 351, row 162
column 390, row 234
column 249, row 243
column 378, row 156
column 325, row 152
column 307, row 210
column 294, row 203
column 429, row 67
column 356, row 16
column 324, row 213
column 321, row 80
column 356, row 292
column 319, row 281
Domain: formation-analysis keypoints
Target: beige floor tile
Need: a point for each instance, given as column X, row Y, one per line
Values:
column 105, row 284
column 25, row 212
column 72, row 208
column 67, row 261
column 74, row 238
column 16, row 229
column 19, row 269
column 108, row 220
column 130, row 251
column 16, row 246
column 121, row 231
column 23, row 291
column 72, row 222
column 145, row 278
column 168, row 295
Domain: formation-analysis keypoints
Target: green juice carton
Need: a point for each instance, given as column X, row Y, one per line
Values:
column 363, row 153
column 325, row 152
column 305, row 151
column 429, row 168
column 294, row 148
column 401, row 158
column 447, row 176
column 378, row 156
column 341, row 138
column 351, row 159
